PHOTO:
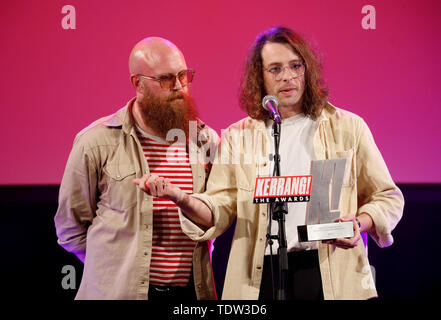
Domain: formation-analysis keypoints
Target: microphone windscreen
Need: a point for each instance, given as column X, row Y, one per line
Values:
column 268, row 98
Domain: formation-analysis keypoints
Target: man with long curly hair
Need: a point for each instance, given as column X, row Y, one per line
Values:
column 282, row 64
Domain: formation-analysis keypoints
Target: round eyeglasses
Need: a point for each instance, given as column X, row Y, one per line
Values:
column 296, row 68
column 167, row 81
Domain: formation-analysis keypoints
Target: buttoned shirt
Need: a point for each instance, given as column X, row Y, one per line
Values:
column 367, row 187
column 107, row 221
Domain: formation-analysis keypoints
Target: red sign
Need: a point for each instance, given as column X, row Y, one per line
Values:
column 283, row 189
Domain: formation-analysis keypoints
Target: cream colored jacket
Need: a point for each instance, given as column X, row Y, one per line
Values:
column 107, row 221
column 367, row 187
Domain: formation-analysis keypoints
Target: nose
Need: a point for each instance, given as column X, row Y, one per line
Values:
column 178, row 85
column 287, row 76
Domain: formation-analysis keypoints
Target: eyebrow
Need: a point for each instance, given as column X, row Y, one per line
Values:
column 279, row 63
column 164, row 75
column 170, row 74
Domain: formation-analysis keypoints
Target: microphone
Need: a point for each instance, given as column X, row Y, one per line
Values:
column 270, row 103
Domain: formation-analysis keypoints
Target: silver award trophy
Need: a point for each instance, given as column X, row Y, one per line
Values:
column 322, row 213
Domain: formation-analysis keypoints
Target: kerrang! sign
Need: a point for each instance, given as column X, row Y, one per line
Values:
column 282, row 189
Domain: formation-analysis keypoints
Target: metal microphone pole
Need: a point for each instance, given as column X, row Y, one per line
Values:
column 278, row 211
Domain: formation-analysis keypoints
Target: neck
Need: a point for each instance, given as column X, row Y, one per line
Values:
column 136, row 112
column 290, row 111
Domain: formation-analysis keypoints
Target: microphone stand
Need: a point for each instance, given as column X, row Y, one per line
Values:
column 277, row 212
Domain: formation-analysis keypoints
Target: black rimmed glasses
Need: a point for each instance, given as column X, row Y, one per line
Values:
column 297, row 69
column 167, row 81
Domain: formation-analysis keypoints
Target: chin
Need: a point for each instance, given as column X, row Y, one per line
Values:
column 177, row 103
column 288, row 102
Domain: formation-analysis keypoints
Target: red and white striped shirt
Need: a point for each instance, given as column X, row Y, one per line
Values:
column 172, row 251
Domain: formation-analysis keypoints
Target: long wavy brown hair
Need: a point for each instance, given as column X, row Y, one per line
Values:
column 252, row 90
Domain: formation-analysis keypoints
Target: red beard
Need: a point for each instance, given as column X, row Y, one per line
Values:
column 164, row 114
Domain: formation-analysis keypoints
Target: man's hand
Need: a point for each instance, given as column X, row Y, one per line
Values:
column 350, row 242
column 160, row 187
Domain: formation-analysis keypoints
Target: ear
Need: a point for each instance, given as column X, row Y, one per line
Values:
column 135, row 82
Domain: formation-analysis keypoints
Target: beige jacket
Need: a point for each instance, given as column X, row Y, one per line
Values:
column 367, row 187
column 107, row 221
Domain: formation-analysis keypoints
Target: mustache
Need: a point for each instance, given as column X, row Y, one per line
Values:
column 175, row 96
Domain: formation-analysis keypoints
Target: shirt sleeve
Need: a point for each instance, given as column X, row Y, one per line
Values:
column 77, row 200
column 377, row 192
column 220, row 196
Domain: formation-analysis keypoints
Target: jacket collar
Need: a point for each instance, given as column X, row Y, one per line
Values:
column 122, row 118
column 327, row 111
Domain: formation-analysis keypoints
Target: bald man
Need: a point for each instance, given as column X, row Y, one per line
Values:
column 131, row 244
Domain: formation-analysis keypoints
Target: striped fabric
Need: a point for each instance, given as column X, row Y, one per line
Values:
column 172, row 251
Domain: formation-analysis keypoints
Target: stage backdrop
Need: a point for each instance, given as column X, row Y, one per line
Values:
column 64, row 64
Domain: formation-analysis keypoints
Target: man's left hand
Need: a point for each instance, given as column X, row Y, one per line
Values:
column 347, row 243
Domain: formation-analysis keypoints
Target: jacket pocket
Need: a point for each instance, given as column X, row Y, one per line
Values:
column 119, row 172
column 245, row 177
column 119, row 192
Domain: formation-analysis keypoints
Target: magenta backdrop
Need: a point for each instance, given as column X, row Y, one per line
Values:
column 55, row 82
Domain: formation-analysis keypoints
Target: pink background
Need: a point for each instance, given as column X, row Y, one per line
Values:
column 55, row 82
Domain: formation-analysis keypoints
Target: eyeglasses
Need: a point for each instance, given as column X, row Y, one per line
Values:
column 167, row 81
column 296, row 68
